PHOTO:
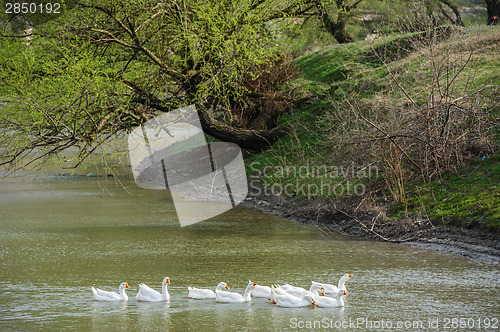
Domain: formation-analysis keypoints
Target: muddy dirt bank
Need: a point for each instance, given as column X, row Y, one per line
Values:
column 350, row 218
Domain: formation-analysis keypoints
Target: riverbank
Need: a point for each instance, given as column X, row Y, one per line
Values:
column 348, row 218
column 373, row 154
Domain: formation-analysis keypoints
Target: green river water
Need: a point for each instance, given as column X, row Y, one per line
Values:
column 60, row 235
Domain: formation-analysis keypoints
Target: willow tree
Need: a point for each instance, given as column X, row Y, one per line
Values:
column 103, row 67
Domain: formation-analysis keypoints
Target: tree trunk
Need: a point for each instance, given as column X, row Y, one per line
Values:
column 256, row 140
column 340, row 34
column 458, row 18
column 245, row 138
column 337, row 29
column 493, row 10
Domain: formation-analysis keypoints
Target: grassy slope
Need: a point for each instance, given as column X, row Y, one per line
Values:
column 468, row 196
column 340, row 74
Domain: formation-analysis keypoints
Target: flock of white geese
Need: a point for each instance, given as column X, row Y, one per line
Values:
column 319, row 294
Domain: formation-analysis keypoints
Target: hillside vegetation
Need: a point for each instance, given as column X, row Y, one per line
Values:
column 402, row 127
column 399, row 122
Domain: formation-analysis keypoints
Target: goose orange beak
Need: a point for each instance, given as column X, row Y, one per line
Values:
column 345, row 293
column 168, row 281
column 254, row 283
column 349, row 275
column 227, row 287
column 323, row 293
column 126, row 285
column 314, row 303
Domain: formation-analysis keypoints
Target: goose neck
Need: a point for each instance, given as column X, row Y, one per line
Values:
column 123, row 294
column 341, row 283
column 247, row 293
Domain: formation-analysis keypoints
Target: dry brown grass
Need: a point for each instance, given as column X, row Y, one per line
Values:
column 438, row 109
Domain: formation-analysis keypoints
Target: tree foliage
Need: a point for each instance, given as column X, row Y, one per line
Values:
column 103, row 67
column 85, row 76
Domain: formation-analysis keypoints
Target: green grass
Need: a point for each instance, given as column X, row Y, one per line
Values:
column 468, row 197
column 339, row 75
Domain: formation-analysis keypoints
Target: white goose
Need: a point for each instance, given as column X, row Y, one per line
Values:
column 229, row 297
column 282, row 294
column 147, row 294
column 332, row 289
column 276, row 290
column 203, row 293
column 100, row 295
column 314, row 290
column 329, row 302
column 261, row 291
column 291, row 301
